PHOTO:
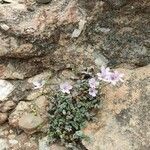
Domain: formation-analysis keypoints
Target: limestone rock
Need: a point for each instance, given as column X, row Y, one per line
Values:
column 20, row 141
column 27, row 89
column 4, row 27
column 9, row 71
column 29, row 122
column 57, row 147
column 39, row 80
column 44, row 145
column 25, row 142
column 6, row 89
column 41, row 102
column 123, row 123
column 34, row 94
column 3, row 117
column 18, row 69
column 20, row 109
column 9, row 105
column 3, row 144
column 37, row 30
column 67, row 36
column 33, row 113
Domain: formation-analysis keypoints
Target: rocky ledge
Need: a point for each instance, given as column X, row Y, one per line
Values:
column 123, row 122
column 51, row 42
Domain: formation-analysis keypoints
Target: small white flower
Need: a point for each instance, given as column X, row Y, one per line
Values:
column 93, row 92
column 38, row 84
column 104, row 75
column 65, row 88
column 111, row 77
column 115, row 77
column 93, row 83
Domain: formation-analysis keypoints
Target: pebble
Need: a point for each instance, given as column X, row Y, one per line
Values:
column 30, row 122
column 5, row 89
column 4, row 27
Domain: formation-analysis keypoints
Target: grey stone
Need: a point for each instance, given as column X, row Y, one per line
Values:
column 6, row 89
column 44, row 143
column 3, row 144
column 4, row 27
column 29, row 122
column 127, row 41
column 100, row 60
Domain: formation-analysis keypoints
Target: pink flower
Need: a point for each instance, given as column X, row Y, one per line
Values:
column 111, row 77
column 105, row 74
column 65, row 87
column 93, row 92
column 115, row 77
column 93, row 83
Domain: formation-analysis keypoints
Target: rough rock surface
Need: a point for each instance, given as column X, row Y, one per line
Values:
column 30, row 115
column 42, row 34
column 7, row 106
column 3, row 117
column 43, row 144
column 43, row 45
column 10, row 140
column 123, row 123
column 6, row 89
column 30, row 122
column 3, row 144
column 126, row 39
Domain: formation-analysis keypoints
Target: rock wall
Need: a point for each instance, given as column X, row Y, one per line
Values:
column 51, row 42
